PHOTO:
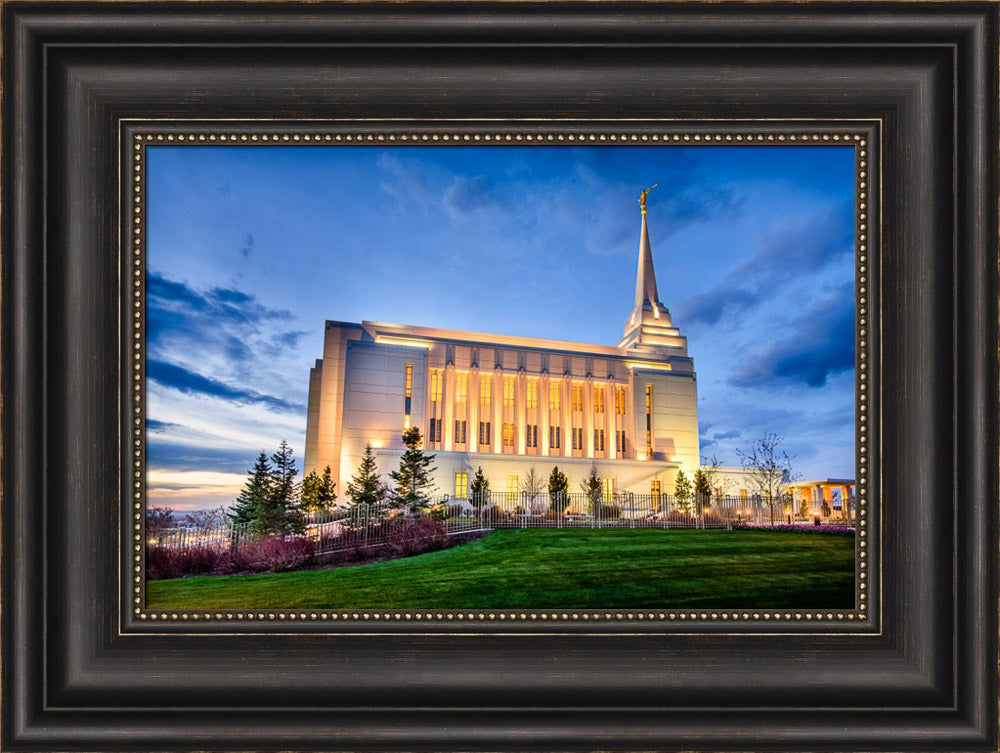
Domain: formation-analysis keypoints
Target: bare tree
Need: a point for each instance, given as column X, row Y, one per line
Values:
column 206, row 520
column 533, row 485
column 769, row 467
column 159, row 520
column 717, row 482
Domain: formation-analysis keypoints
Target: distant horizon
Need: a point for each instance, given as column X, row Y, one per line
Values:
column 250, row 249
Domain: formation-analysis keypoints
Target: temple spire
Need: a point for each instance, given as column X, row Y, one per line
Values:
column 645, row 278
column 649, row 324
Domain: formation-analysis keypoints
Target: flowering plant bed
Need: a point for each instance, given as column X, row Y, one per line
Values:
column 795, row 528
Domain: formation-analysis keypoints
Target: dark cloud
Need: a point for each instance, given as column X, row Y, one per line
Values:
column 709, row 307
column 190, row 382
column 801, row 245
column 175, row 308
column 822, row 345
column 732, row 434
column 182, row 457
column 160, row 426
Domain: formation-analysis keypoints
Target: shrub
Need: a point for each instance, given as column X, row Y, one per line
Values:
column 274, row 554
column 162, row 562
column 455, row 511
column 422, row 535
column 492, row 515
column 610, row 512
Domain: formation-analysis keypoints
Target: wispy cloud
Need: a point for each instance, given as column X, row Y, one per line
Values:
column 190, row 382
column 822, row 344
column 801, row 244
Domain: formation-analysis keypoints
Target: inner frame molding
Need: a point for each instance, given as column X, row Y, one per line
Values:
column 862, row 136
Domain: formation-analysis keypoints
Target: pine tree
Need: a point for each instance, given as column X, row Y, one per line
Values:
column 558, row 490
column 365, row 487
column 702, row 488
column 318, row 492
column 682, row 491
column 592, row 486
column 278, row 511
column 413, row 477
column 255, row 494
column 479, row 490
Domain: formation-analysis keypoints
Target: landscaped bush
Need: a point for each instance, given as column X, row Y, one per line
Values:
column 276, row 553
column 492, row 515
column 421, row 535
column 265, row 555
column 795, row 528
column 455, row 511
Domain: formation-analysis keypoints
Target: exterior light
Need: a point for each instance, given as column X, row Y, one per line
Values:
column 648, row 365
column 405, row 341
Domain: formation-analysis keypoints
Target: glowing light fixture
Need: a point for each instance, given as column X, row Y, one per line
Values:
column 648, row 365
column 405, row 341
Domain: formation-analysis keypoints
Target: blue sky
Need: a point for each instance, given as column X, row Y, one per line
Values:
column 251, row 248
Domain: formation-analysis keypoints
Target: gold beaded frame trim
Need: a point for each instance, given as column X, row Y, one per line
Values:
column 136, row 136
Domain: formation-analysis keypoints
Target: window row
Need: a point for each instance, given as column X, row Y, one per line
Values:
column 531, row 435
column 510, row 391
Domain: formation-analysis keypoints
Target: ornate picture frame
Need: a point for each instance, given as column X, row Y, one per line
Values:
column 85, row 666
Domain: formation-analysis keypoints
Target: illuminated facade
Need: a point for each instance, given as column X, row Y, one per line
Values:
column 509, row 403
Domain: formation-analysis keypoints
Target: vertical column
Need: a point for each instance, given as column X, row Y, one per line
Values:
column 497, row 399
column 472, row 398
column 629, row 419
column 566, row 410
column 588, row 417
column 543, row 415
column 449, row 407
column 519, row 402
column 609, row 419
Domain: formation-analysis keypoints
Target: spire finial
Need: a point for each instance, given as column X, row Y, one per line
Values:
column 642, row 197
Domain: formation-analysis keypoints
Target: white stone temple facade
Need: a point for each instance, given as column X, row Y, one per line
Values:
column 509, row 403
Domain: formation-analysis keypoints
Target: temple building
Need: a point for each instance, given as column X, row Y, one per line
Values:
column 509, row 403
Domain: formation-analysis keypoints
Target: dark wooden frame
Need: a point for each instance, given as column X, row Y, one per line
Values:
column 918, row 675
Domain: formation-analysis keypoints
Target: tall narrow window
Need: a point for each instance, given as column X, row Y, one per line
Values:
column 512, row 486
column 554, row 437
column 461, row 388
column 577, row 394
column 609, row 489
column 620, row 401
column 508, row 436
column 598, row 400
column 554, row 395
column 599, row 440
column 509, row 386
column 654, row 488
column 436, row 386
column 620, row 441
column 649, row 421
column 460, row 432
column 577, row 438
column 484, row 432
column 485, row 391
column 434, row 430
column 408, row 395
column 531, row 435
column 531, row 398
column 461, row 485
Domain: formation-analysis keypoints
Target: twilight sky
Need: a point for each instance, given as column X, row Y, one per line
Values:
column 251, row 248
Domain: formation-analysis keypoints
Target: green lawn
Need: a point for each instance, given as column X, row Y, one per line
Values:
column 552, row 568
